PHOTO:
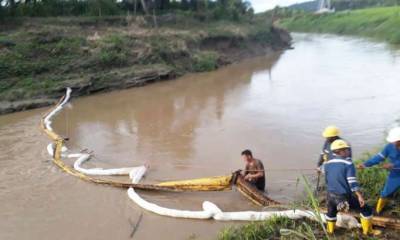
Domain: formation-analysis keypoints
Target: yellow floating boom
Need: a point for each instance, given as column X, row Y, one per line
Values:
column 202, row 184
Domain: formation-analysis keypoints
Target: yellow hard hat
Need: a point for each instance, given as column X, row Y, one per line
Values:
column 331, row 131
column 339, row 144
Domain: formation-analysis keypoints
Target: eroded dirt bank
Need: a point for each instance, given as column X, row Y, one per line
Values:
column 39, row 58
column 196, row 127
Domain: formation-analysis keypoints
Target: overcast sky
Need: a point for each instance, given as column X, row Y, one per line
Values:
column 262, row 5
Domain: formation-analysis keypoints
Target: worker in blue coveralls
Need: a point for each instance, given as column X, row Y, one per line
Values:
column 343, row 191
column 330, row 133
column 391, row 152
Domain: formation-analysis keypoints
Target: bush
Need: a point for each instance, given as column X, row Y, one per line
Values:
column 227, row 9
column 109, row 58
column 205, row 61
column 113, row 51
column 395, row 38
column 263, row 35
column 372, row 181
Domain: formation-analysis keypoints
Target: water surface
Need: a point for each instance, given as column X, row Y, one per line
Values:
column 197, row 126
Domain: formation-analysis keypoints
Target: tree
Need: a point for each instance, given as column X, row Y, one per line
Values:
column 202, row 9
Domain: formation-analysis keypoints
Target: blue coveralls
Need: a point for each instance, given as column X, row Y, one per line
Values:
column 391, row 152
column 341, row 181
column 326, row 152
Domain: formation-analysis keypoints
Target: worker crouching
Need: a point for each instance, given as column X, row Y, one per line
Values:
column 343, row 188
column 254, row 172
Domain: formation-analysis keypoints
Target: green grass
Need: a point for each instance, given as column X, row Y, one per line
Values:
column 379, row 23
column 205, row 61
column 49, row 53
column 269, row 229
column 37, row 53
column 372, row 181
column 282, row 227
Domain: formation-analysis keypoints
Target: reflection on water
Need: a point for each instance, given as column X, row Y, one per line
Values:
column 159, row 121
column 196, row 126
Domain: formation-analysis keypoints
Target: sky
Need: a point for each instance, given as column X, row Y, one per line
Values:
column 262, row 5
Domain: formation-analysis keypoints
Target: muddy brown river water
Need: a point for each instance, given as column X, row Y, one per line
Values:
column 193, row 127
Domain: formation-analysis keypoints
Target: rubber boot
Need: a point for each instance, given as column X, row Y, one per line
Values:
column 366, row 224
column 330, row 227
column 380, row 205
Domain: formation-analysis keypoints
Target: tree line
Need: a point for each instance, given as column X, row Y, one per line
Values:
column 220, row 9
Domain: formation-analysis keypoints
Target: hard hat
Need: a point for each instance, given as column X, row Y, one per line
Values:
column 339, row 144
column 394, row 135
column 331, row 131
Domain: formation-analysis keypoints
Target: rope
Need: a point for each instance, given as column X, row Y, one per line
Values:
column 219, row 168
column 380, row 168
column 66, row 123
column 223, row 168
column 204, row 167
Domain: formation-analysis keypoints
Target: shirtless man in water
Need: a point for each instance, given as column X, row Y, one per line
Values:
column 254, row 170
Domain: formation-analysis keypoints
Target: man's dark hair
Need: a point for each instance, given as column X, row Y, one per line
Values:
column 247, row 152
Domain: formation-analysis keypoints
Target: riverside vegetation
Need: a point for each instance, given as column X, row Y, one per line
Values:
column 371, row 180
column 378, row 23
column 41, row 56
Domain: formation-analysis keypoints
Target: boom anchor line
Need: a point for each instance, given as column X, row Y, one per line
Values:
column 58, row 151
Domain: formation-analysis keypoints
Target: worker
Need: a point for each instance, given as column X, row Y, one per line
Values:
column 391, row 152
column 330, row 133
column 254, row 171
column 343, row 191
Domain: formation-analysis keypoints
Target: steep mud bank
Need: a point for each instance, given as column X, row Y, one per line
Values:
column 40, row 58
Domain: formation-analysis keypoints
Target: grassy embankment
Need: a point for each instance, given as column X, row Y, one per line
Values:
column 371, row 180
column 39, row 57
column 378, row 23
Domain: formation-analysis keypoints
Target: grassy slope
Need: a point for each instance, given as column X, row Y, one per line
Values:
column 371, row 181
column 379, row 23
column 287, row 229
column 41, row 56
column 269, row 229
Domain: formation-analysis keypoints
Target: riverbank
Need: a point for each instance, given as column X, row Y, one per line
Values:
column 378, row 23
column 40, row 57
column 372, row 181
column 177, row 125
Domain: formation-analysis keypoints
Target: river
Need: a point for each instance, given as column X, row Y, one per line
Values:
column 197, row 126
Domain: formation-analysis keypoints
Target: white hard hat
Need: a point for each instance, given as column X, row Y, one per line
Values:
column 394, row 135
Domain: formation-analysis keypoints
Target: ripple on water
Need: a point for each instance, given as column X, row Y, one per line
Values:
column 275, row 105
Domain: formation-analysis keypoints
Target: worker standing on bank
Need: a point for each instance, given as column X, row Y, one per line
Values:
column 254, row 170
column 391, row 152
column 343, row 191
column 330, row 133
